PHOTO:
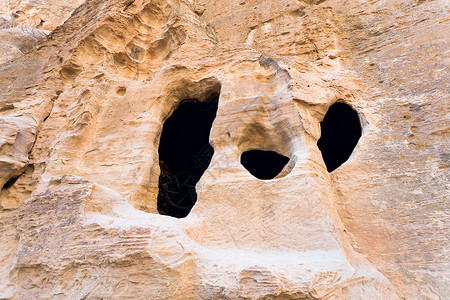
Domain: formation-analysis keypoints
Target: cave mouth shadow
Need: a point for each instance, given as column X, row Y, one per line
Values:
column 340, row 133
column 184, row 154
column 262, row 164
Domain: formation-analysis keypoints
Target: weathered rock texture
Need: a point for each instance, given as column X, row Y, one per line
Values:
column 41, row 14
column 81, row 113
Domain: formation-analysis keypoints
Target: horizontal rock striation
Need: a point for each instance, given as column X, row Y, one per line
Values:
column 85, row 92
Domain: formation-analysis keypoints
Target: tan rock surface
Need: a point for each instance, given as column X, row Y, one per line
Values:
column 41, row 14
column 81, row 115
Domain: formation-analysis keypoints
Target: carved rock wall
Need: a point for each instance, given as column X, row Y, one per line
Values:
column 82, row 109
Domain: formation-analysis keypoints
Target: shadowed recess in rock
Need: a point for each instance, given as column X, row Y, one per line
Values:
column 263, row 164
column 10, row 183
column 341, row 130
column 184, row 155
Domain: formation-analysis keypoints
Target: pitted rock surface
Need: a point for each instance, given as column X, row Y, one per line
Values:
column 87, row 86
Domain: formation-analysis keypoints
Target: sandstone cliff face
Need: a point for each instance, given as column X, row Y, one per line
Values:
column 83, row 108
column 42, row 14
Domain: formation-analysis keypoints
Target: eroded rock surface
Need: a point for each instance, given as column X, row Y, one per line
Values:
column 83, row 107
column 41, row 14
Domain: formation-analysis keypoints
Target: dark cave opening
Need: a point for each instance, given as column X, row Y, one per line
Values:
column 184, row 155
column 341, row 130
column 10, row 182
column 264, row 165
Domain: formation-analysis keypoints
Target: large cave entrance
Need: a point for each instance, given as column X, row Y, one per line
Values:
column 184, row 155
column 341, row 130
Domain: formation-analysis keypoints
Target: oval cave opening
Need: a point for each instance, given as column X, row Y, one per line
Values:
column 263, row 165
column 341, row 130
column 184, row 155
